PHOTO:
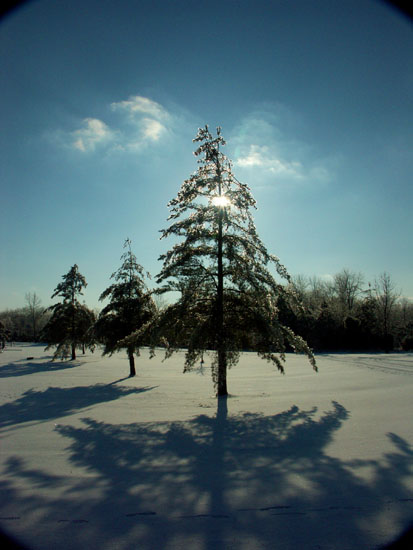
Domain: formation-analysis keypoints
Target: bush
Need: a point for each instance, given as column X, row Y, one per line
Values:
column 407, row 343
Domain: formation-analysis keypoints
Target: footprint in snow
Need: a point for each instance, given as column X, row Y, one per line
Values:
column 133, row 514
column 213, row 516
column 73, row 521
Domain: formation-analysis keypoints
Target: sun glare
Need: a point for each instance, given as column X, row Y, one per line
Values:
column 221, row 201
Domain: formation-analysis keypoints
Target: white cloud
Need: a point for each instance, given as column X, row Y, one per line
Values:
column 267, row 150
column 152, row 129
column 137, row 105
column 265, row 158
column 148, row 118
column 149, row 131
column 93, row 133
column 150, row 122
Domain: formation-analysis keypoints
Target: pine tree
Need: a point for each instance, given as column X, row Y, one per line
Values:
column 130, row 307
column 70, row 320
column 220, row 267
column 4, row 336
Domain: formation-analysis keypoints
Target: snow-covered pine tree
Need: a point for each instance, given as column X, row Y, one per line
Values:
column 130, row 307
column 70, row 320
column 220, row 267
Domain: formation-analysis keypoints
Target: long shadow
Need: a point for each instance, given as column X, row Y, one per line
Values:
column 23, row 367
column 57, row 402
column 244, row 481
column 119, row 380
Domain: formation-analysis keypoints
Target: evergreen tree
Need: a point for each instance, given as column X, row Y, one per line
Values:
column 366, row 311
column 220, row 267
column 70, row 320
column 130, row 307
column 4, row 336
column 326, row 333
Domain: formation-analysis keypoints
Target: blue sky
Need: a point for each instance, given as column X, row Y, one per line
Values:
column 100, row 100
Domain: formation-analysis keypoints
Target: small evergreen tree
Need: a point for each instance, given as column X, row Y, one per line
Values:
column 4, row 336
column 130, row 307
column 228, row 296
column 66, row 329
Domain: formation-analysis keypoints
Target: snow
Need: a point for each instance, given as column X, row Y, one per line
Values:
column 90, row 458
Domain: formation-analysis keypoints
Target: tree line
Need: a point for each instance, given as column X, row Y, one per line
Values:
column 233, row 295
column 345, row 314
column 342, row 314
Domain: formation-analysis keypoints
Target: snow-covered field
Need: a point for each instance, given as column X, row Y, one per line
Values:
column 92, row 459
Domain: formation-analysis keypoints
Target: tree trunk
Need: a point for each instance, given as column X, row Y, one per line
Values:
column 34, row 328
column 131, row 363
column 222, row 374
column 73, row 331
column 222, row 356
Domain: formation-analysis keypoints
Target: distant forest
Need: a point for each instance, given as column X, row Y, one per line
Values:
column 343, row 314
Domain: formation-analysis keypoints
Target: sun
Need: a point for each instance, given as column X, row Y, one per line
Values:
column 221, row 201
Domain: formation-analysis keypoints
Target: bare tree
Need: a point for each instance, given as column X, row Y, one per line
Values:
column 35, row 312
column 347, row 286
column 319, row 292
column 160, row 302
column 300, row 284
column 386, row 299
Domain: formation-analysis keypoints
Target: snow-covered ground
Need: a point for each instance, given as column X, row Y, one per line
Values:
column 92, row 459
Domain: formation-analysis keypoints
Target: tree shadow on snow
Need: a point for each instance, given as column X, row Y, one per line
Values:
column 23, row 367
column 218, row 482
column 54, row 403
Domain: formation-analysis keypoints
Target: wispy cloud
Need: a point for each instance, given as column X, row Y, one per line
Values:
column 94, row 132
column 266, row 153
column 149, row 120
column 152, row 129
column 137, row 104
column 140, row 123
column 264, row 158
